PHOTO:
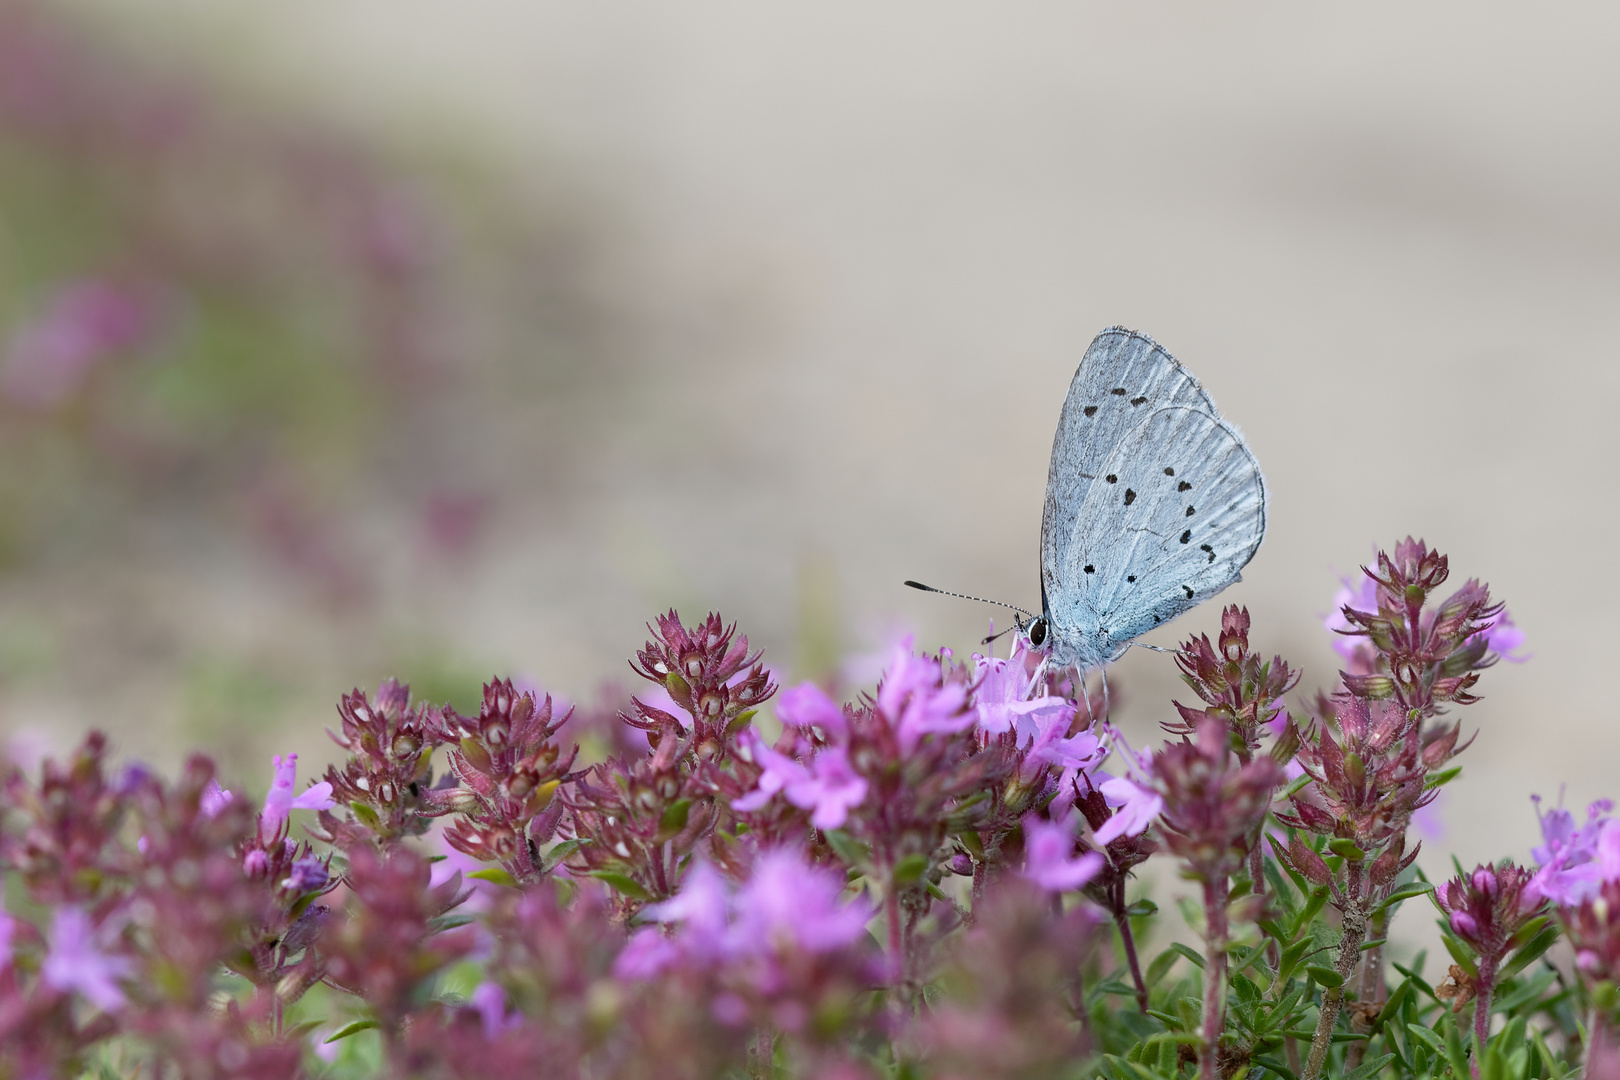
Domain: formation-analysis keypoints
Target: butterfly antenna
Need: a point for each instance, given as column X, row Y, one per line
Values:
column 965, row 596
column 997, row 636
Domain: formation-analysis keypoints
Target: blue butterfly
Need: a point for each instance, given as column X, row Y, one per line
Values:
column 1153, row 503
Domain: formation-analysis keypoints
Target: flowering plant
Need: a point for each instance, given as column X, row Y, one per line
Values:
column 934, row 879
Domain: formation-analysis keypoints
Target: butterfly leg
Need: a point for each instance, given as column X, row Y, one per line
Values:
column 1106, row 710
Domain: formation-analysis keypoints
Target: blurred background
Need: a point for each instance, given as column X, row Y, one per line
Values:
column 343, row 340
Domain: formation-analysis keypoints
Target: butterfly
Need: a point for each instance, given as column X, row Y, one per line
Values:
column 1154, row 503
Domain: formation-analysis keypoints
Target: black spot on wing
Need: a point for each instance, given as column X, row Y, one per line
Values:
column 1189, row 511
column 1189, row 591
column 1210, row 550
column 1111, row 478
column 1090, row 569
column 1131, row 578
column 1184, row 486
column 1090, row 410
column 1137, row 400
column 1186, row 536
column 1130, row 496
column 1118, row 391
column 1168, row 471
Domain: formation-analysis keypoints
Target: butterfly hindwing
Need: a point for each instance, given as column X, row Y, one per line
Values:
column 1179, row 510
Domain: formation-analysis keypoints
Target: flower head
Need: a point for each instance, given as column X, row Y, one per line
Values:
column 76, row 962
column 1049, row 859
column 1490, row 905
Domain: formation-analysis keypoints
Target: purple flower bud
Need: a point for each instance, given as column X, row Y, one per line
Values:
column 214, row 799
column 308, row 875
column 281, row 801
column 256, row 863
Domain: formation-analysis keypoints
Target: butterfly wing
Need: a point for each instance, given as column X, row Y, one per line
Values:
column 1123, row 377
column 1179, row 511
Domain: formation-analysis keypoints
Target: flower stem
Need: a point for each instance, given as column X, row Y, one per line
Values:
column 1354, row 933
column 1123, row 921
column 1215, row 898
column 1484, row 989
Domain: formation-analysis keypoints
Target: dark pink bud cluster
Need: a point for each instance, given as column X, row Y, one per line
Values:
column 1424, row 657
column 510, row 768
column 1214, row 804
column 1489, row 907
column 68, row 849
column 1238, row 688
column 637, row 822
column 717, row 683
column 385, row 781
column 1593, row 927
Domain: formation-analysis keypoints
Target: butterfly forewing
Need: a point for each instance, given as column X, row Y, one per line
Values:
column 1184, row 513
column 1123, row 377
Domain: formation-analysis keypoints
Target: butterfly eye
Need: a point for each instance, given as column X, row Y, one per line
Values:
column 1037, row 632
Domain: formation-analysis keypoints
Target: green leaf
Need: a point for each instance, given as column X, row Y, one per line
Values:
column 1368, row 946
column 1190, row 954
column 435, row 858
column 1426, row 1036
column 674, row 818
column 1160, row 965
column 1530, row 953
column 558, row 853
column 351, row 1029
column 910, row 868
column 495, row 875
column 853, row 852
column 1370, row 1069
column 622, row 883
column 1346, row 849
column 1142, row 909
column 366, row 816
column 448, row 922
column 1405, row 892
column 1445, row 776
column 1325, row 976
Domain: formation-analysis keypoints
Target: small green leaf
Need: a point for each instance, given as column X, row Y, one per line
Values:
column 1405, row 892
column 1368, row 946
column 1445, row 776
column 1346, row 849
column 351, row 1029
column 853, row 852
column 435, row 858
column 495, row 875
column 1529, row 953
column 910, row 868
column 554, row 857
column 1325, row 976
column 1161, row 964
column 1189, row 953
column 1142, row 909
column 674, row 817
column 1370, row 1069
column 448, row 922
column 1426, row 1036
column 623, row 883
column 366, row 816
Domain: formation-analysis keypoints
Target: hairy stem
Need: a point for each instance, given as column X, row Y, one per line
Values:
column 764, row 1053
column 1215, row 898
column 1354, row 933
column 1123, row 921
column 1484, row 989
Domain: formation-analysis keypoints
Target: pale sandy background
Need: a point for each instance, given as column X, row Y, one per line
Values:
column 846, row 257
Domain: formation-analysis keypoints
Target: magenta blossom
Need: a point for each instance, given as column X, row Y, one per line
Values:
column 76, row 963
column 1002, row 696
column 914, row 699
column 827, row 786
column 214, row 799
column 281, row 801
column 8, row 930
column 82, row 324
column 1504, row 638
column 808, row 706
column 1136, row 807
column 1577, row 860
column 786, row 905
column 1049, row 859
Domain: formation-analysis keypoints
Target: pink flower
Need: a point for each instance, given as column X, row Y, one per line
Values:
column 1577, row 860
column 214, row 799
column 1504, row 638
column 1049, row 856
column 281, row 801
column 917, row 702
column 1002, row 697
column 75, row 963
column 787, row 902
column 1137, row 807
column 8, row 929
column 806, row 705
column 82, row 324
column 490, row 1002
column 828, row 786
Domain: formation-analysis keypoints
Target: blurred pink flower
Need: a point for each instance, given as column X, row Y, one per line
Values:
column 1360, row 595
column 1049, row 856
column 80, row 325
column 917, row 702
column 1504, row 638
column 1137, row 807
column 75, row 963
column 827, row 785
